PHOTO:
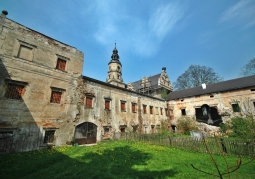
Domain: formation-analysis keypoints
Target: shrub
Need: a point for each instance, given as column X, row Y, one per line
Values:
column 186, row 124
column 242, row 127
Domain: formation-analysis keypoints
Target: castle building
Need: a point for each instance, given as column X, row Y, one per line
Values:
column 45, row 100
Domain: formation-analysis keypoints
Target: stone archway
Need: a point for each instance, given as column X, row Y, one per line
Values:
column 208, row 115
column 85, row 133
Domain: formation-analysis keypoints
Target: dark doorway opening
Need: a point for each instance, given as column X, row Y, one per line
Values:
column 85, row 133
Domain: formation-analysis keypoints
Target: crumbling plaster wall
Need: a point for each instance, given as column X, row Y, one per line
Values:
column 30, row 116
column 114, row 118
column 221, row 101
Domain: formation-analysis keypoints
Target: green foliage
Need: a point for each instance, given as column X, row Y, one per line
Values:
column 164, row 130
column 186, row 124
column 242, row 127
column 224, row 127
column 164, row 93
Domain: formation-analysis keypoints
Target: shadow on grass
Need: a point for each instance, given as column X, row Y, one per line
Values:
column 118, row 162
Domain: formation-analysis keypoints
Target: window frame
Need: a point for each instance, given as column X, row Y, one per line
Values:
column 236, row 107
column 144, row 109
column 183, row 111
column 123, row 106
column 52, row 139
column 8, row 89
column 151, row 109
column 19, row 44
column 133, row 107
column 56, row 90
column 61, row 58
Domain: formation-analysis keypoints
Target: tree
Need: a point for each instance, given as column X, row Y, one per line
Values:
column 164, row 93
column 248, row 69
column 195, row 75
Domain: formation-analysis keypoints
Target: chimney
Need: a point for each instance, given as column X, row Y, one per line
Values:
column 164, row 69
column 203, row 85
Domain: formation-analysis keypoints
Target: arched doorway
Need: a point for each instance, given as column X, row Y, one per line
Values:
column 85, row 133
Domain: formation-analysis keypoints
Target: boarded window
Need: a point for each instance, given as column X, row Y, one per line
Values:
column 55, row 97
column 133, row 107
column 107, row 105
column 236, row 107
column 61, row 64
column 144, row 109
column 49, row 136
column 161, row 111
column 14, row 91
column 183, row 112
column 123, row 105
column 166, row 110
column 89, row 102
column 25, row 52
column 151, row 109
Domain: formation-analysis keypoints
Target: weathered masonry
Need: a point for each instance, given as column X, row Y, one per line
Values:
column 45, row 100
column 214, row 103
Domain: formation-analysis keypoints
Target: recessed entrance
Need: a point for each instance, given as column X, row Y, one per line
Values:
column 85, row 133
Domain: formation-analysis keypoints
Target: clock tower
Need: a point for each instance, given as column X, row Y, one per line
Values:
column 115, row 70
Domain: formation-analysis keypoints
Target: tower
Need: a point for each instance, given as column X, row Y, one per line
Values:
column 114, row 70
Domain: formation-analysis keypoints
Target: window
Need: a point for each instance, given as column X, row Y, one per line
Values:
column 6, row 133
column 56, row 95
column 107, row 104
column 25, row 52
column 151, row 109
column 106, row 129
column 49, row 136
column 153, row 129
column 253, row 104
column 183, row 112
column 122, row 131
column 133, row 107
column 161, row 111
column 61, row 64
column 88, row 103
column 123, row 105
column 236, row 107
column 15, row 89
column 166, row 110
column 144, row 109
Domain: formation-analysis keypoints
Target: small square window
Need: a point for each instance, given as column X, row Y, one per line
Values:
column 151, row 109
column 133, row 107
column 123, row 106
column 49, row 136
column 144, row 109
column 61, row 64
column 236, row 107
column 107, row 104
column 14, row 91
column 55, row 97
column 89, row 101
column 106, row 130
column 183, row 112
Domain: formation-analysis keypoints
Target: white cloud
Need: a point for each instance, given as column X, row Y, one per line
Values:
column 165, row 19
column 242, row 12
column 141, row 34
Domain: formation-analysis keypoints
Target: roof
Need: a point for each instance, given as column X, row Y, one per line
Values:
column 118, row 87
column 234, row 84
column 153, row 82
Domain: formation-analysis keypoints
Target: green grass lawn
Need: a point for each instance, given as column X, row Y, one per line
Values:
column 114, row 159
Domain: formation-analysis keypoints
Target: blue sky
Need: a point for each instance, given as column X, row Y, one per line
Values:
column 150, row 34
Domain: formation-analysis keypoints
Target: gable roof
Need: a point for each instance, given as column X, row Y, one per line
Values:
column 228, row 85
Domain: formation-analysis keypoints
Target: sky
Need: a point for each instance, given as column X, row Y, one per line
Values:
column 149, row 34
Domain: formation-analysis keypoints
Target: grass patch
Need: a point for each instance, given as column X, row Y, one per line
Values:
column 113, row 159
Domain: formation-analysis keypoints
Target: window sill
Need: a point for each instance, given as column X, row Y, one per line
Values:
column 123, row 111
column 61, row 70
column 88, row 107
column 133, row 111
